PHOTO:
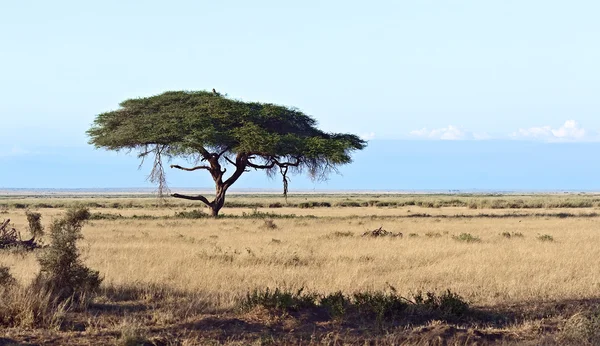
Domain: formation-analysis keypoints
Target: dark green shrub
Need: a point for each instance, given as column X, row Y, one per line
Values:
column 192, row 214
column 379, row 305
column 62, row 272
column 448, row 304
column 336, row 304
column 283, row 300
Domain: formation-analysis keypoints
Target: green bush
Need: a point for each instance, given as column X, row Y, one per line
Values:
column 283, row 300
column 379, row 305
column 192, row 214
column 336, row 304
column 446, row 304
column 467, row 238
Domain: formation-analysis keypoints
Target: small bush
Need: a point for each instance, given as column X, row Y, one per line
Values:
column 283, row 300
column 379, row 305
column 336, row 304
column 509, row 235
column 433, row 234
column 192, row 214
column 339, row 234
column 581, row 329
column 546, row 237
column 105, row 216
column 61, row 271
column 467, row 238
column 35, row 227
column 447, row 304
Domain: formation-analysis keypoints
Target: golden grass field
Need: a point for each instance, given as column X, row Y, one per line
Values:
column 217, row 261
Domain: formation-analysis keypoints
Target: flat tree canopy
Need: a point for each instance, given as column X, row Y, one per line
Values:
column 215, row 131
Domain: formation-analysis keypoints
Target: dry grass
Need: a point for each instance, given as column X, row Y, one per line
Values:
column 163, row 261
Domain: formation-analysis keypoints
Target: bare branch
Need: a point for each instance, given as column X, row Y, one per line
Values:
column 230, row 160
column 193, row 198
column 190, row 169
column 157, row 175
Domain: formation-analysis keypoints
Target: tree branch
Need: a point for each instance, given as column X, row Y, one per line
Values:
column 269, row 166
column 193, row 198
column 190, row 169
column 223, row 151
column 230, row 160
column 241, row 161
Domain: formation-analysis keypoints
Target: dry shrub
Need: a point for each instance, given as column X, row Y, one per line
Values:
column 581, row 329
column 61, row 270
column 35, row 224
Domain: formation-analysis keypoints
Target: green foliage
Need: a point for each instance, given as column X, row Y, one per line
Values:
column 467, row 238
column 284, row 300
column 377, row 306
column 446, row 304
column 192, row 214
column 201, row 124
column 35, row 225
column 61, row 271
column 336, row 304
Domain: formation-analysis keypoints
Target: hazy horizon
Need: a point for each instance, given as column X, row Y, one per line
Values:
column 385, row 165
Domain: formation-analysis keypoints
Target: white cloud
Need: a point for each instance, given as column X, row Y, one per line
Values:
column 367, row 136
column 569, row 131
column 450, row 132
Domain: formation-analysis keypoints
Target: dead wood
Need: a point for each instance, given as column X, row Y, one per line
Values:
column 10, row 237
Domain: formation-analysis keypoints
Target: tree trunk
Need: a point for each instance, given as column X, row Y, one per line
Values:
column 219, row 201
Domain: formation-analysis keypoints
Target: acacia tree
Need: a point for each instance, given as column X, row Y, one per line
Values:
column 214, row 131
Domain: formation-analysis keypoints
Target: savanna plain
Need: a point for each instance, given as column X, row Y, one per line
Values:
column 321, row 269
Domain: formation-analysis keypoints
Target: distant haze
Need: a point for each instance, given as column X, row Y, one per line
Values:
column 386, row 165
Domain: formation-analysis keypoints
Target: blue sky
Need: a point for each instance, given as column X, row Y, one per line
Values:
column 472, row 71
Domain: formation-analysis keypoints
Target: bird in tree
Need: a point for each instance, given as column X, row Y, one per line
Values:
column 215, row 132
